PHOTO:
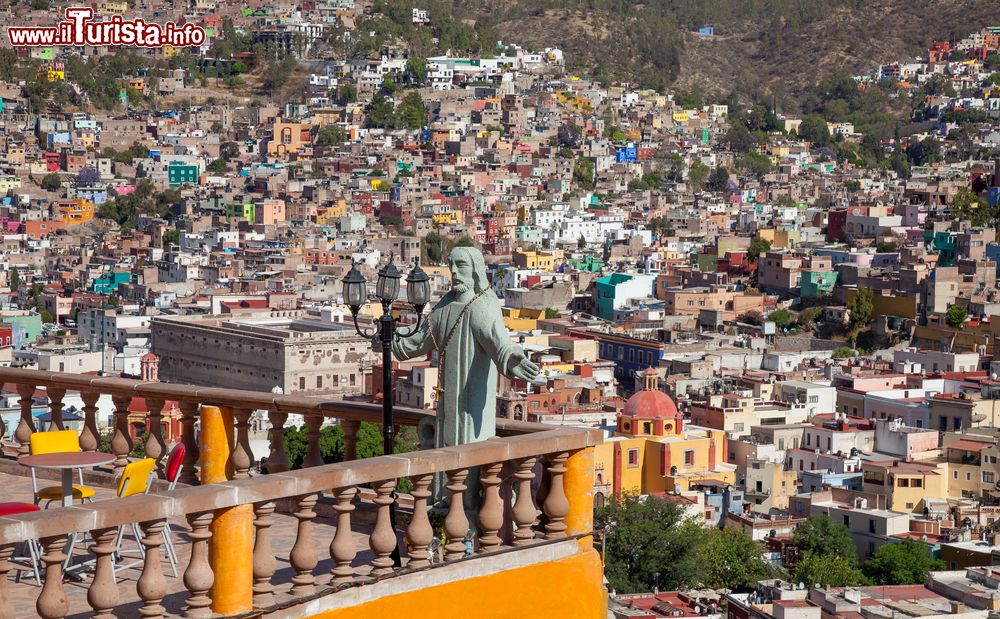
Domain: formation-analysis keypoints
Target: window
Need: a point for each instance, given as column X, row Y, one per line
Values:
column 302, row 382
column 808, row 439
column 814, row 399
column 319, row 382
column 633, row 457
column 909, row 506
column 987, row 477
column 903, row 482
column 737, row 427
column 968, row 476
column 689, row 457
column 871, row 525
column 847, row 520
column 916, row 483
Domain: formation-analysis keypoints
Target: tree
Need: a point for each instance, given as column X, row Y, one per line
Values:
column 171, row 237
column 412, row 112
column 347, row 93
column 751, row 317
column 218, row 166
column 15, row 280
column 808, row 317
column 906, row 563
column 956, row 316
column 433, row 248
column 51, row 182
column 813, row 569
column 583, row 172
column 581, row 242
column 728, row 558
column 46, row 316
column 330, row 135
column 465, row 241
column 416, row 68
column 821, row 536
column 381, row 113
column 842, row 352
column 739, row 138
column 757, row 247
column 87, row 176
column 925, row 151
column 697, row 175
column 815, row 130
column 718, row 181
column 757, row 164
column 551, row 313
column 645, row 536
column 781, row 318
column 861, row 308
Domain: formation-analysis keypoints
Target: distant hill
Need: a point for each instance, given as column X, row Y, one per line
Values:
column 784, row 46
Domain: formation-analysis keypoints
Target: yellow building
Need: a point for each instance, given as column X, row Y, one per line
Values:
column 542, row 261
column 76, row 211
column 906, row 485
column 653, row 452
column 521, row 319
column 780, row 238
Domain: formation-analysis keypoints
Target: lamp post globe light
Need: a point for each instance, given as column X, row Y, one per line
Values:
column 418, row 292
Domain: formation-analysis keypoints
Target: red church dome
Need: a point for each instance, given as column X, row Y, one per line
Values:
column 650, row 403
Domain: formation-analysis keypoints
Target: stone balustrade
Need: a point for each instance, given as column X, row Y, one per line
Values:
column 522, row 499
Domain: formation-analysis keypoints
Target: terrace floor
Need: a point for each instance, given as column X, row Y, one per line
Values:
column 25, row 592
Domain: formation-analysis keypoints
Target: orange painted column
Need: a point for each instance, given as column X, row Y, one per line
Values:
column 578, row 484
column 230, row 549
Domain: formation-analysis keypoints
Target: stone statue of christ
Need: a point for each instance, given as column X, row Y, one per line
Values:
column 467, row 331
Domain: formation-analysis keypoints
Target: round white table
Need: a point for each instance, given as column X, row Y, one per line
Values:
column 67, row 461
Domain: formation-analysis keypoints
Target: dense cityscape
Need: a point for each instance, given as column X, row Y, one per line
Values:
column 770, row 320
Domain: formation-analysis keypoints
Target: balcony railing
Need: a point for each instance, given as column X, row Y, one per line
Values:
column 524, row 500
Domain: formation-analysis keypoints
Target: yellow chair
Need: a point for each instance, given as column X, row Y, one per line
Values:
column 137, row 479
column 55, row 442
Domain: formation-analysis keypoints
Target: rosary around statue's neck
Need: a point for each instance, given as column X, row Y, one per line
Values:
column 443, row 348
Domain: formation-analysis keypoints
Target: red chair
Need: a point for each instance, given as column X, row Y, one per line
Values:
column 13, row 509
column 172, row 471
column 175, row 464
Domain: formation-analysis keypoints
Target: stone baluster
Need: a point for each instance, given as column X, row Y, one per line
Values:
column 103, row 592
column 303, row 555
column 189, row 416
column 90, row 438
column 6, row 605
column 26, row 425
column 198, row 577
column 56, row 395
column 342, row 548
column 241, row 456
column 420, row 532
column 313, row 455
column 52, row 602
column 264, row 561
column 456, row 523
column 556, row 505
column 383, row 537
column 121, row 442
column 525, row 512
column 350, row 428
column 156, row 447
column 490, row 518
column 152, row 586
column 277, row 459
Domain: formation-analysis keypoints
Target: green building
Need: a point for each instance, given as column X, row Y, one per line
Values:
column 109, row 283
column 588, row 264
column 27, row 326
column 245, row 211
column 818, row 283
column 181, row 173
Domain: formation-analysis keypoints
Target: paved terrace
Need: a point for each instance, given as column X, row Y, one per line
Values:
column 322, row 534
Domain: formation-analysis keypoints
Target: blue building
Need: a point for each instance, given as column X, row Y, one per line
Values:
column 631, row 355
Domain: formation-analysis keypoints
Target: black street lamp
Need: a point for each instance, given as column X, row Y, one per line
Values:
column 418, row 292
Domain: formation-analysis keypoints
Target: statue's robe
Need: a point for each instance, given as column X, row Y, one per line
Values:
column 466, row 410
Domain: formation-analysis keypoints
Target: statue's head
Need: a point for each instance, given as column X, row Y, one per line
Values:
column 468, row 270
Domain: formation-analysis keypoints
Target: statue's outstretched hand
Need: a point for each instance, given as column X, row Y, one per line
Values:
column 525, row 370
